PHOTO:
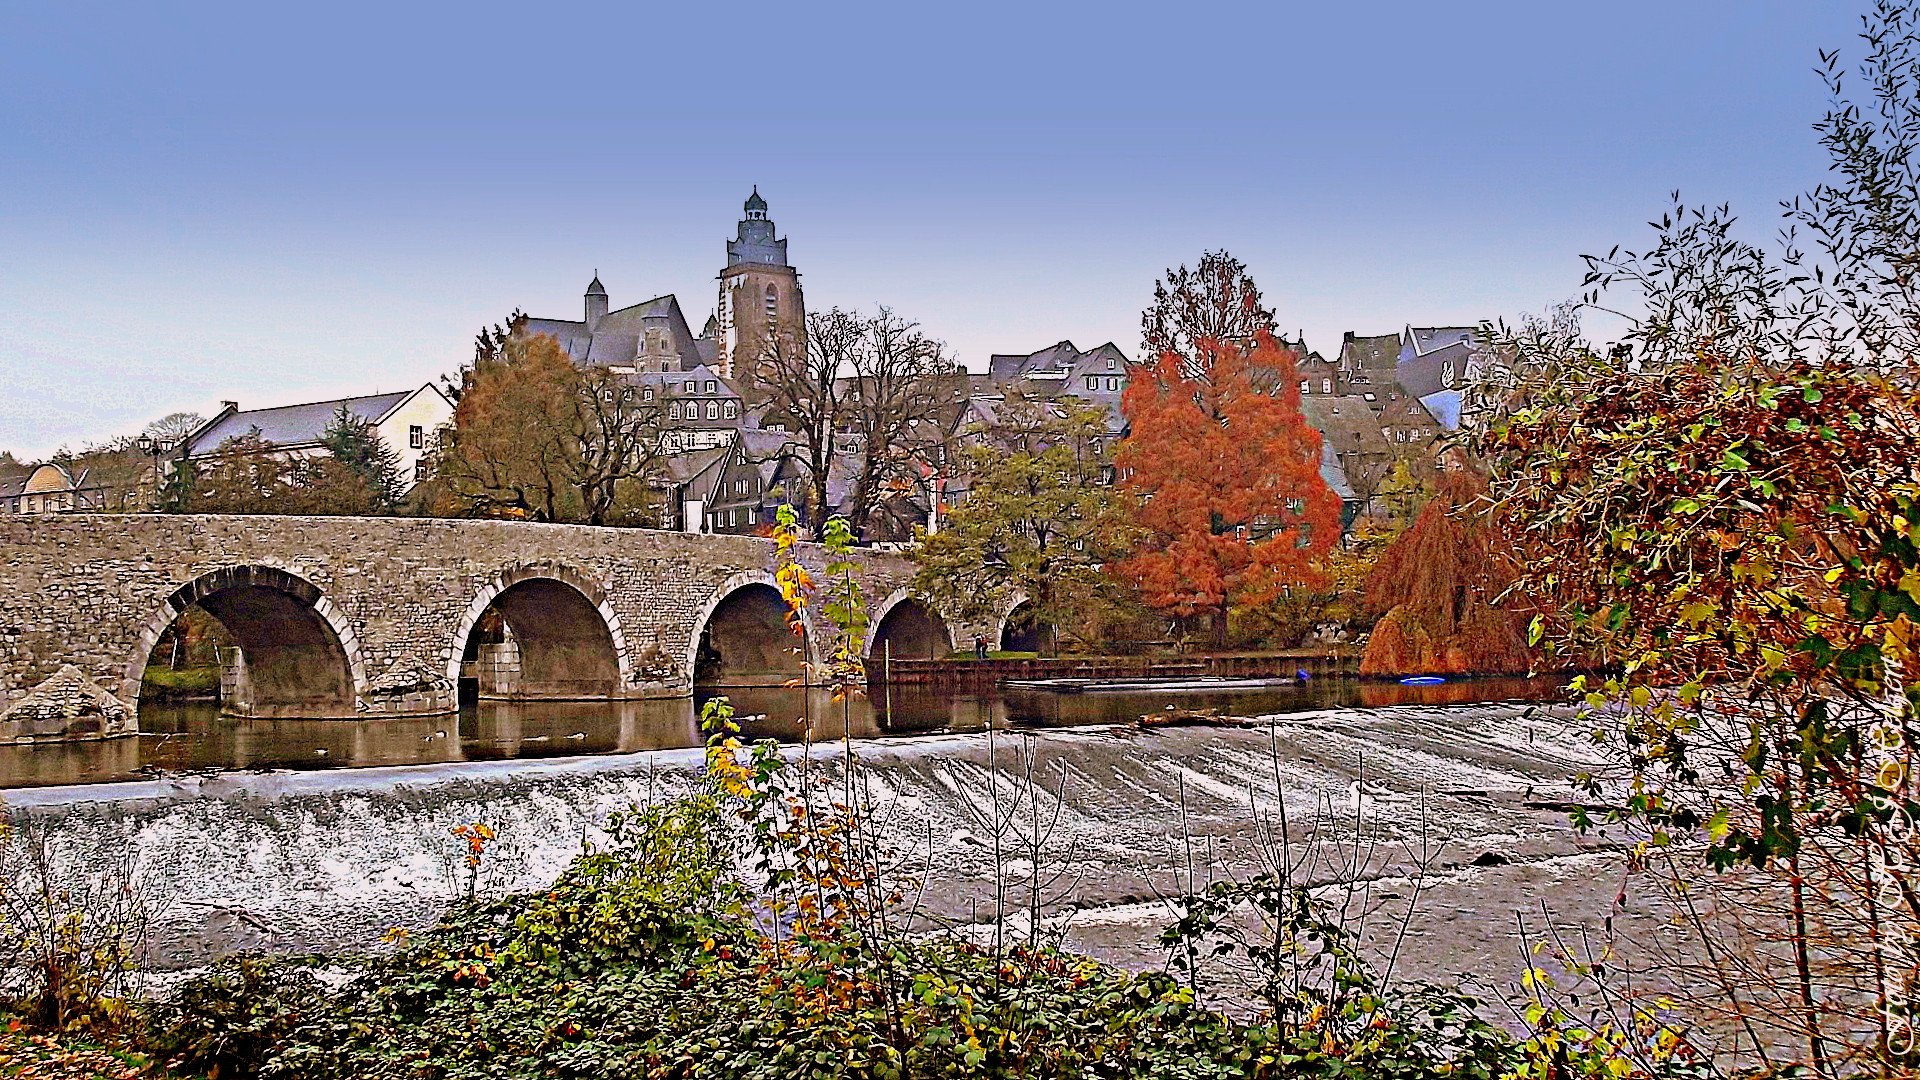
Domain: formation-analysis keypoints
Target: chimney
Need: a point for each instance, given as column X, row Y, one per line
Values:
column 230, row 406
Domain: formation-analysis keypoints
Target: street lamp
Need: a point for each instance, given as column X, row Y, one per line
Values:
column 155, row 449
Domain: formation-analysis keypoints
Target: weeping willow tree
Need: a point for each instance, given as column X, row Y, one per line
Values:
column 1437, row 590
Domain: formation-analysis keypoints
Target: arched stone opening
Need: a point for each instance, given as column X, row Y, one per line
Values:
column 907, row 629
column 745, row 641
column 1022, row 631
column 539, row 634
column 291, row 653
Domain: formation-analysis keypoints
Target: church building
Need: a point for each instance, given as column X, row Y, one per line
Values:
column 759, row 307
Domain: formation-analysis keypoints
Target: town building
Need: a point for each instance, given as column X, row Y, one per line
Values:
column 48, row 488
column 408, row 421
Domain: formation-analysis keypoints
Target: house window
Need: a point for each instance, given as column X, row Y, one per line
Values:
column 1093, row 383
column 416, row 436
column 1113, row 386
column 733, row 409
column 1326, row 386
column 713, row 386
column 713, row 410
column 626, row 393
column 1306, row 386
column 673, row 410
column 646, row 394
column 1112, row 364
column 419, row 471
column 690, row 387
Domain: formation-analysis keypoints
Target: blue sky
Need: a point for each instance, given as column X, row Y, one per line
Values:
column 279, row 203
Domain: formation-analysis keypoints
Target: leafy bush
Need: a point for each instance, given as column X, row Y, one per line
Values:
column 226, row 1021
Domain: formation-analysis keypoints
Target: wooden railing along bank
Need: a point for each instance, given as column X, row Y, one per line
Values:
column 981, row 674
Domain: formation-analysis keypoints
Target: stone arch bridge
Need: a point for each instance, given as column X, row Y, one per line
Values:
column 346, row 617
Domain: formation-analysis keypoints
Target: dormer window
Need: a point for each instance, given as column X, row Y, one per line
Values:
column 673, row 411
column 646, row 394
column 713, row 410
column 713, row 386
column 689, row 388
column 733, row 409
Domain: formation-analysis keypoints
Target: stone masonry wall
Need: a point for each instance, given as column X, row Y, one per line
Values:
column 92, row 590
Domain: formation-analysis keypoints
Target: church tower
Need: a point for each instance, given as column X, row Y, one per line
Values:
column 760, row 308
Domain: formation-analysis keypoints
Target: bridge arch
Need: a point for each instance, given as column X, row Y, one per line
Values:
column 741, row 637
column 299, row 654
column 567, row 641
column 1020, row 630
column 911, row 625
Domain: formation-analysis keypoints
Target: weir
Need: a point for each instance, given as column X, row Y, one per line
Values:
column 301, row 861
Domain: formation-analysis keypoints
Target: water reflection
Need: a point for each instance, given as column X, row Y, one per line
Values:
column 195, row 736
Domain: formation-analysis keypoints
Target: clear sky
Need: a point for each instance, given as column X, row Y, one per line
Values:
column 277, row 203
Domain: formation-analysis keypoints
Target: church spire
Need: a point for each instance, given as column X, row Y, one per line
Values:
column 756, row 206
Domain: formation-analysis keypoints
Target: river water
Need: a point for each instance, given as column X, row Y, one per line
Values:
column 196, row 737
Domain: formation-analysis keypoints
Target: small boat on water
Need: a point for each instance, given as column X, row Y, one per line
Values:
column 1199, row 685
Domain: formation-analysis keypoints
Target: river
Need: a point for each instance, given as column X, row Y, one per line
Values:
column 196, row 737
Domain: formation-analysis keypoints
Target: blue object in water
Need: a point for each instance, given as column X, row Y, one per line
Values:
column 1423, row 680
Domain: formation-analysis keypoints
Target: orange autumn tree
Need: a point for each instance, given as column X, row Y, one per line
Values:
column 1437, row 590
column 1234, row 507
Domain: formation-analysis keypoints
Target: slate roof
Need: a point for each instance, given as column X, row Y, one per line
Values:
column 1334, row 473
column 292, row 425
column 1444, row 407
column 1380, row 353
column 688, row 467
column 1347, row 423
column 616, row 338
column 1422, row 340
column 1058, row 357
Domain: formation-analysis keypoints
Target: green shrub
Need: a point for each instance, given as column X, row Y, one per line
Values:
column 165, row 682
column 226, row 1021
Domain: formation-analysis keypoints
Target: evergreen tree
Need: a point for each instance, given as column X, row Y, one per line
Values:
column 359, row 449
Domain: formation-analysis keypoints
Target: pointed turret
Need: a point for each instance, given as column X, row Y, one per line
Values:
column 596, row 300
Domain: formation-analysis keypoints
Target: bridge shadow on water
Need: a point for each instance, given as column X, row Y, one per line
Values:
column 196, row 736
